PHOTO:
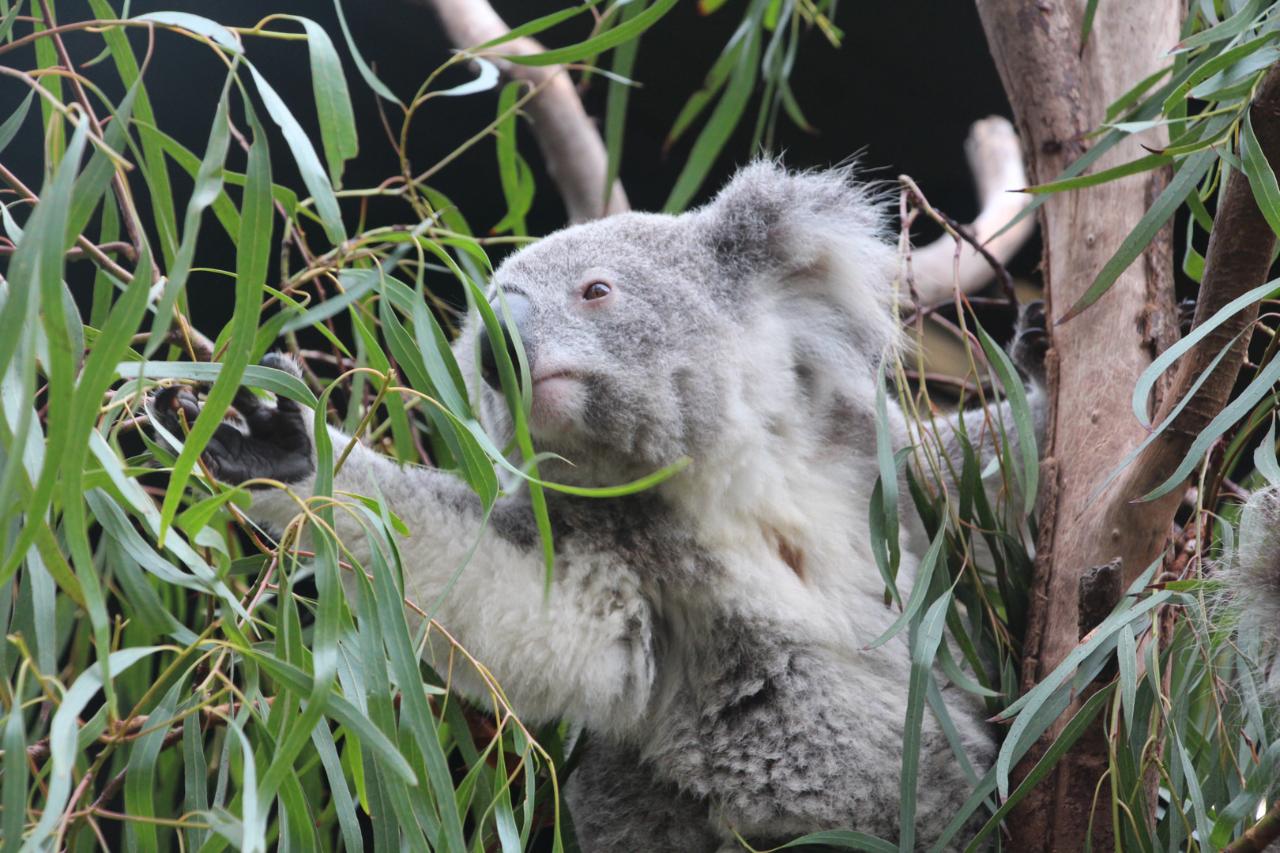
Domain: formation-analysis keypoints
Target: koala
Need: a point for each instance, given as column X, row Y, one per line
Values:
column 1251, row 597
column 708, row 636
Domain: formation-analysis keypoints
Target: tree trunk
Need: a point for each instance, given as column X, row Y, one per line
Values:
column 1059, row 94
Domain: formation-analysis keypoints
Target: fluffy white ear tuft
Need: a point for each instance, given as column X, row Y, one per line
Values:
column 815, row 242
column 771, row 219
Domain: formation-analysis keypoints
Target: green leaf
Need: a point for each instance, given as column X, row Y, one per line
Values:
column 223, row 208
column 255, row 375
column 340, row 710
column 1231, row 27
column 421, row 721
column 1264, row 456
column 1086, row 25
column 343, row 804
column 93, row 181
column 370, row 79
column 1169, row 200
column 1127, row 659
column 1261, row 179
column 919, row 591
column 537, row 25
column 6, row 27
column 355, row 285
column 1079, row 723
column 924, row 648
column 140, row 781
column 252, row 257
column 15, row 780
column 1203, row 826
column 151, row 164
column 208, row 187
column 514, row 173
column 1022, row 420
column 724, row 118
column 1133, row 167
column 884, row 522
column 36, row 268
column 1153, row 372
column 63, row 747
column 711, row 86
column 333, row 101
column 199, row 25
column 1028, row 720
column 615, row 114
column 485, row 80
column 1234, row 411
column 304, row 154
column 842, row 838
column 612, row 37
column 14, row 122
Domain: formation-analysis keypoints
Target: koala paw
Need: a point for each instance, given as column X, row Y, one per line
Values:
column 274, row 443
column 1031, row 340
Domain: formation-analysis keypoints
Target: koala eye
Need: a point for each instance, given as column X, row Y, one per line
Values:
column 596, row 290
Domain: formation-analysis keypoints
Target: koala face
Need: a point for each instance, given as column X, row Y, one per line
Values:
column 621, row 336
column 651, row 337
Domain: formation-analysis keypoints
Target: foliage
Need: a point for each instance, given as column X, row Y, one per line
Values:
column 1183, row 697
column 168, row 671
column 169, row 675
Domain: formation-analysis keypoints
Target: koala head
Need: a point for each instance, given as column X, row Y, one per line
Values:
column 651, row 337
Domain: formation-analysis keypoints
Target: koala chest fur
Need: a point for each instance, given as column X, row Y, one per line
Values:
column 765, row 713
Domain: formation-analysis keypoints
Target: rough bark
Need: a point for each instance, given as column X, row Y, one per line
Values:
column 570, row 141
column 1059, row 93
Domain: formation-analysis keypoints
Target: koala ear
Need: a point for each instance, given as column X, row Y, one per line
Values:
column 770, row 220
column 812, row 244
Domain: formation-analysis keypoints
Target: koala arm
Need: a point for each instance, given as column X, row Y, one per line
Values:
column 581, row 650
column 983, row 427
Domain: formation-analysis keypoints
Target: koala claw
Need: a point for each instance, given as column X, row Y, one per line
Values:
column 274, row 443
column 1031, row 340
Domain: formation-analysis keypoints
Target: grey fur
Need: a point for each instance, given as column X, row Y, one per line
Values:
column 708, row 636
column 1253, row 583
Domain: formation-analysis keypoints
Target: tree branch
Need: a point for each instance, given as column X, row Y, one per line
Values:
column 1258, row 837
column 570, row 141
column 995, row 158
column 1238, row 259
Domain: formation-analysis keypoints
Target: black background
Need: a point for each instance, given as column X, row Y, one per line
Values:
column 900, row 94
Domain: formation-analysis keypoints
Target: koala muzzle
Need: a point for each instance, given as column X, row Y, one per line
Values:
column 517, row 313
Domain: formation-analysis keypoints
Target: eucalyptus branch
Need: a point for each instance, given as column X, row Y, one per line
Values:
column 1258, row 837
column 569, row 139
column 995, row 158
column 132, row 221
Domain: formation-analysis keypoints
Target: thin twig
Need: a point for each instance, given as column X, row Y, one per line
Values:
column 959, row 232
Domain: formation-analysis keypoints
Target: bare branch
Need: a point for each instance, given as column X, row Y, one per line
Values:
column 570, row 141
column 995, row 158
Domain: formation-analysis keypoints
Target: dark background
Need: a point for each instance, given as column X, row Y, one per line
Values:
column 900, row 93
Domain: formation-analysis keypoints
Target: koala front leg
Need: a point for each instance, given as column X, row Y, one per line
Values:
column 582, row 650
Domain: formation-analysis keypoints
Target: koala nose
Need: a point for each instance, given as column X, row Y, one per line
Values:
column 517, row 313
